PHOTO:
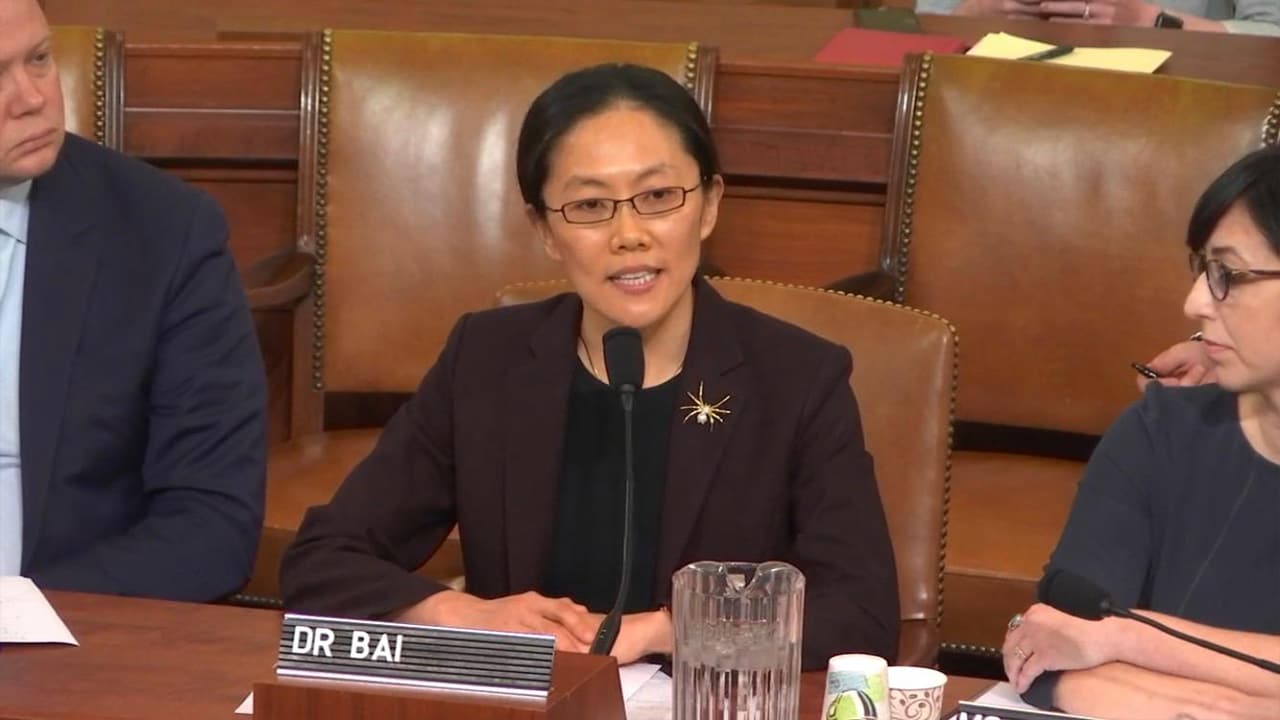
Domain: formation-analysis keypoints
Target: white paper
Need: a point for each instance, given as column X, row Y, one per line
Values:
column 634, row 678
column 27, row 617
column 652, row 701
column 1002, row 694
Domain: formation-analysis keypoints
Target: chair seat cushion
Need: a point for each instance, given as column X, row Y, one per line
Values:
column 305, row 472
column 301, row 473
column 1006, row 515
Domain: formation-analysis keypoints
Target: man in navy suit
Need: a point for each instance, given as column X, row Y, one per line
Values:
column 132, row 396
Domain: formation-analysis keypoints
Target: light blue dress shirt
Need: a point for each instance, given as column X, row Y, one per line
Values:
column 14, row 212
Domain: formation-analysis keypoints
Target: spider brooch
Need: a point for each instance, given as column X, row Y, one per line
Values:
column 703, row 412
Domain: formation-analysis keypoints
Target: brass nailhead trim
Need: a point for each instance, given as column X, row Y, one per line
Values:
column 904, row 249
column 913, row 171
column 99, row 86
column 971, row 649
column 256, row 601
column 951, row 405
column 691, row 66
column 321, row 212
column 1271, row 126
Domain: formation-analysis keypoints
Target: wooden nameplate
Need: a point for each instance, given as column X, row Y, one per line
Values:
column 583, row 687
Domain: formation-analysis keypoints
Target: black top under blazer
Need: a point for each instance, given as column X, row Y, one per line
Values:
column 786, row 476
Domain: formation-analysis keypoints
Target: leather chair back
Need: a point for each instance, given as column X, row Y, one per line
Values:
column 904, row 376
column 91, row 67
column 409, row 200
column 1043, row 209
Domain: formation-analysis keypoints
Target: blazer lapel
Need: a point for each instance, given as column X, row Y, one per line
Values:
column 61, row 263
column 695, row 449
column 537, row 408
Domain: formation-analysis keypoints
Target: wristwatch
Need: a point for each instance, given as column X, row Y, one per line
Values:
column 1165, row 20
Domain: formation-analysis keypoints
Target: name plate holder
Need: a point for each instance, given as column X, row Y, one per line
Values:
column 340, row 669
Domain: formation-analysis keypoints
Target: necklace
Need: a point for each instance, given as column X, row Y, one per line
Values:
column 591, row 366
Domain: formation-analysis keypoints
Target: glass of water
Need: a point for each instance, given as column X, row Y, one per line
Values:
column 738, row 629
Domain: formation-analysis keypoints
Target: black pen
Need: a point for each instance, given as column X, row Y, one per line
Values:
column 1049, row 54
column 1145, row 371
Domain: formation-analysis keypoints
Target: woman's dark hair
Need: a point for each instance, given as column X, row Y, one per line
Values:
column 1254, row 182
column 583, row 93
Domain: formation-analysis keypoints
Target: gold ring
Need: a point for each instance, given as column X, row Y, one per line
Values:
column 1086, row 10
column 1022, row 654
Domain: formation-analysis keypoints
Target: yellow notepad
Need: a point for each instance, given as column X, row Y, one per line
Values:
column 1012, row 47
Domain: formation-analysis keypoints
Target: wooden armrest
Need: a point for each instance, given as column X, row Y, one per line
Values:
column 918, row 641
column 280, row 281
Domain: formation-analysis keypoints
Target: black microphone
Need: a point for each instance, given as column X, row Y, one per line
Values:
column 1074, row 595
column 624, row 361
column 1077, row 595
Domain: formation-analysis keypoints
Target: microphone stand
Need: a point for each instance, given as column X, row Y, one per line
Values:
column 608, row 632
column 1080, row 597
column 1198, row 642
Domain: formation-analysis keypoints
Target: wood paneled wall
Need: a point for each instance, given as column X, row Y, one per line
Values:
column 801, row 149
column 212, row 92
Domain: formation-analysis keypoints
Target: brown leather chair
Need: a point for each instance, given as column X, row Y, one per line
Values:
column 1042, row 210
column 91, row 68
column 410, row 214
column 904, row 375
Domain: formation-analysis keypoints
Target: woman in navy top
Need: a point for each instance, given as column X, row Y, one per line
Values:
column 1178, row 513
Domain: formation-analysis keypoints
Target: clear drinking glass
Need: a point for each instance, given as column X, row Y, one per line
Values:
column 737, row 631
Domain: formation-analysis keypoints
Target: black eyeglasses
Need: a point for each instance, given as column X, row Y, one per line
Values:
column 650, row 202
column 1221, row 278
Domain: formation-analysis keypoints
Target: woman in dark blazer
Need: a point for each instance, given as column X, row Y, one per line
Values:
column 748, row 442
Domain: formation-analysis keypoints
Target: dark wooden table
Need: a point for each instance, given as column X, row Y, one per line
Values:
column 144, row 659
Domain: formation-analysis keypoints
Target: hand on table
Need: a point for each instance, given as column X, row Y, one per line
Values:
column 1046, row 639
column 1132, row 13
column 1028, row 9
column 571, row 623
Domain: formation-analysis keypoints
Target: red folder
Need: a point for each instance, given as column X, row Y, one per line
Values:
column 855, row 46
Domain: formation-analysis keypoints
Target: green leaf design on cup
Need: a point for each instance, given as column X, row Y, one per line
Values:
column 852, row 705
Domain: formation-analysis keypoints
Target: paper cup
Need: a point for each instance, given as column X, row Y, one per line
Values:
column 857, row 688
column 915, row 693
